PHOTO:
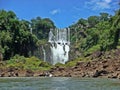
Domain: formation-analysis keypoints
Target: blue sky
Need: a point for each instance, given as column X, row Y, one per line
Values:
column 62, row 12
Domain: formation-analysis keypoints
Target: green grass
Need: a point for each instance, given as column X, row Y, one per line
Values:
column 35, row 64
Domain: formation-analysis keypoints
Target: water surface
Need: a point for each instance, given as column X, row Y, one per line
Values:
column 58, row 83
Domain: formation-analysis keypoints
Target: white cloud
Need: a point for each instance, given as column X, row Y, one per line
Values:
column 98, row 4
column 108, row 1
column 102, row 5
column 55, row 11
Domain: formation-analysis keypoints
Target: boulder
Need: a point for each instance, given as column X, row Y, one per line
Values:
column 29, row 73
column 99, row 73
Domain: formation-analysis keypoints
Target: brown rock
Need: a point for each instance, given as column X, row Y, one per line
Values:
column 99, row 73
column 21, row 73
column 29, row 73
column 105, row 66
column 96, row 54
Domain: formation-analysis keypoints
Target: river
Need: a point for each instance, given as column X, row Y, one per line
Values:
column 58, row 83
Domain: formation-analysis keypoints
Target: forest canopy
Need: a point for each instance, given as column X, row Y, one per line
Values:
column 87, row 35
column 97, row 33
column 21, row 36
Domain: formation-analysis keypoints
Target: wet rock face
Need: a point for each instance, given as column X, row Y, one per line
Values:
column 74, row 53
column 47, row 54
column 53, row 53
column 44, row 52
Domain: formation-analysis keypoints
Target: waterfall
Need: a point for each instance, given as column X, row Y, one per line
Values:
column 44, row 54
column 60, row 42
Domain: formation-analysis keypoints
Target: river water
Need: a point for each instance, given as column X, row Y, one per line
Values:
column 58, row 83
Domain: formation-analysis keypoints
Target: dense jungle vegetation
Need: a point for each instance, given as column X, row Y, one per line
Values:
column 22, row 37
column 96, row 33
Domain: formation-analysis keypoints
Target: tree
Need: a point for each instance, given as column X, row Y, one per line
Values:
column 41, row 27
column 15, row 35
column 6, row 18
column 104, row 16
column 5, row 43
column 93, row 20
column 116, row 28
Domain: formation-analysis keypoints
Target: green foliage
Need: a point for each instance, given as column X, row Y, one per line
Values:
column 41, row 42
column 93, row 20
column 1, row 49
column 73, row 63
column 41, row 27
column 104, row 16
column 96, row 33
column 16, row 62
column 24, row 37
column 59, row 65
column 116, row 28
column 20, row 36
column 31, row 63
column 44, row 64
column 92, row 49
column 5, row 42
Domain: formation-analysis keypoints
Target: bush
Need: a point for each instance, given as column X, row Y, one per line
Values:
column 44, row 64
column 31, row 63
column 91, row 50
column 59, row 65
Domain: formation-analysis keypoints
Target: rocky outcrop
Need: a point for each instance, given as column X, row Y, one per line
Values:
column 105, row 65
column 43, row 52
column 101, row 65
column 74, row 53
column 14, row 72
column 102, row 68
column 99, row 68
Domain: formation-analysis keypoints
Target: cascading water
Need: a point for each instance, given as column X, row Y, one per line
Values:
column 60, row 42
column 44, row 53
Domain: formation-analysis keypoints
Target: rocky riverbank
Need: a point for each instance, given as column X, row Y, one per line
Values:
column 12, row 72
column 104, row 68
column 104, row 65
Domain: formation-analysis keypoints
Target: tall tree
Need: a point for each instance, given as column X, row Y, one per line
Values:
column 41, row 27
column 116, row 28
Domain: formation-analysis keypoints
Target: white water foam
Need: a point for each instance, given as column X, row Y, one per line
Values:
column 60, row 45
